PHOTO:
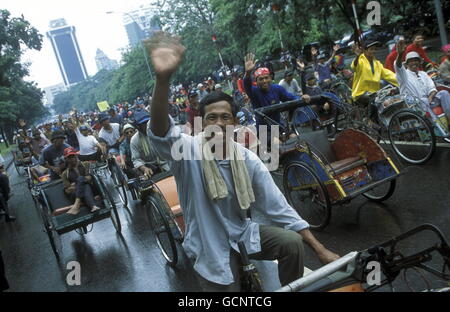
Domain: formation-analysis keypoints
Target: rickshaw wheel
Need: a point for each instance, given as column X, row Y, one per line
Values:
column 160, row 223
column 380, row 194
column 114, row 214
column 406, row 118
column 311, row 198
column 119, row 184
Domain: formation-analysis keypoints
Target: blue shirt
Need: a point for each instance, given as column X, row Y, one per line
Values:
column 214, row 227
column 324, row 71
column 260, row 98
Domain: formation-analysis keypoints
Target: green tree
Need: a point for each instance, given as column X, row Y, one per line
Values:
column 18, row 98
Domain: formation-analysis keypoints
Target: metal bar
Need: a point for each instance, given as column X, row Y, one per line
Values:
column 317, row 275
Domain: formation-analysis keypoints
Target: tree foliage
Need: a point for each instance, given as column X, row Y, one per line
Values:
column 18, row 98
column 114, row 86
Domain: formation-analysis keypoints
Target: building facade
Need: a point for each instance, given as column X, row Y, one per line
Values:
column 104, row 62
column 67, row 52
column 52, row 91
column 140, row 24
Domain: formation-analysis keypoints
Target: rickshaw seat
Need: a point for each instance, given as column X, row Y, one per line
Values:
column 168, row 188
column 56, row 197
column 346, row 164
column 318, row 141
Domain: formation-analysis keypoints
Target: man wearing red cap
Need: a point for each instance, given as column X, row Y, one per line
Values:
column 265, row 93
column 76, row 180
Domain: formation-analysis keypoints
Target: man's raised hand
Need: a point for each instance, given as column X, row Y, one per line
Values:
column 166, row 53
column 249, row 62
column 401, row 46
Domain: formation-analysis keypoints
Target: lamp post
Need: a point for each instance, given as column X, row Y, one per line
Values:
column 141, row 43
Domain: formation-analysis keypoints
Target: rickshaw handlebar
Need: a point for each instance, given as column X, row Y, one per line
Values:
column 392, row 262
column 288, row 106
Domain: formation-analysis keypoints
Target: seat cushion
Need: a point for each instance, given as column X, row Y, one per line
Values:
column 346, row 164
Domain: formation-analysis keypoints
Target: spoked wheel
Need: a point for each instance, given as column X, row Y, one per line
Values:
column 307, row 194
column 120, row 186
column 382, row 192
column 412, row 137
column 358, row 119
column 114, row 213
column 164, row 227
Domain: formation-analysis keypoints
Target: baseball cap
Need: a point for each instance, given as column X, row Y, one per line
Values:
column 193, row 93
column 200, row 85
column 261, row 71
column 141, row 116
column 83, row 127
column 58, row 134
column 103, row 117
column 70, row 151
column 310, row 76
column 412, row 55
column 218, row 86
column 127, row 126
column 371, row 43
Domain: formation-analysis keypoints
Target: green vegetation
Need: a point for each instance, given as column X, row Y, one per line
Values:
column 18, row 98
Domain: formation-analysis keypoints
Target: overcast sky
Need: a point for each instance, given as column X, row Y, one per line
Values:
column 94, row 29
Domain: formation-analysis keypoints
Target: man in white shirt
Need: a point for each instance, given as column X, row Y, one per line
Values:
column 415, row 82
column 90, row 149
column 290, row 84
column 110, row 132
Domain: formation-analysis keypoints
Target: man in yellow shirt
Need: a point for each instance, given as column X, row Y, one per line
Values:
column 368, row 73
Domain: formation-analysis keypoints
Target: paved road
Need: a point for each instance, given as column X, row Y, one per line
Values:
column 132, row 261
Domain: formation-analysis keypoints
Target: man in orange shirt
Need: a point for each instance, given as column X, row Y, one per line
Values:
column 417, row 46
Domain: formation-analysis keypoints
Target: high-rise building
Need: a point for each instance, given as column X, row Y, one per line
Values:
column 51, row 92
column 104, row 62
column 67, row 52
column 140, row 24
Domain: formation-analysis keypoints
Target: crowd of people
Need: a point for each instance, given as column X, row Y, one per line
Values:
column 142, row 135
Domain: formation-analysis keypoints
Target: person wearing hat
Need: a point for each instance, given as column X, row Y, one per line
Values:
column 290, row 84
column 201, row 91
column 126, row 162
column 90, row 148
column 52, row 156
column 323, row 65
column 217, row 190
column 38, row 143
column 368, row 73
column 110, row 132
column 218, row 87
column 417, row 83
column 77, row 182
column 444, row 68
column 265, row 93
column 114, row 117
column 144, row 156
column 192, row 110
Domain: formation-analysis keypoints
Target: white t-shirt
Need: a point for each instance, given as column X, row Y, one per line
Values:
column 88, row 144
column 110, row 137
column 293, row 88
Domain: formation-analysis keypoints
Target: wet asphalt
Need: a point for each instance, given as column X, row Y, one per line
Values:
column 132, row 261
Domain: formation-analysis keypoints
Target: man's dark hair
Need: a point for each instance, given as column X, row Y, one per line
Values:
column 417, row 34
column 214, row 97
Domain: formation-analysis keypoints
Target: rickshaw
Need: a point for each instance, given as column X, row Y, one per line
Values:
column 318, row 174
column 22, row 159
column 410, row 127
column 53, row 204
column 354, row 272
